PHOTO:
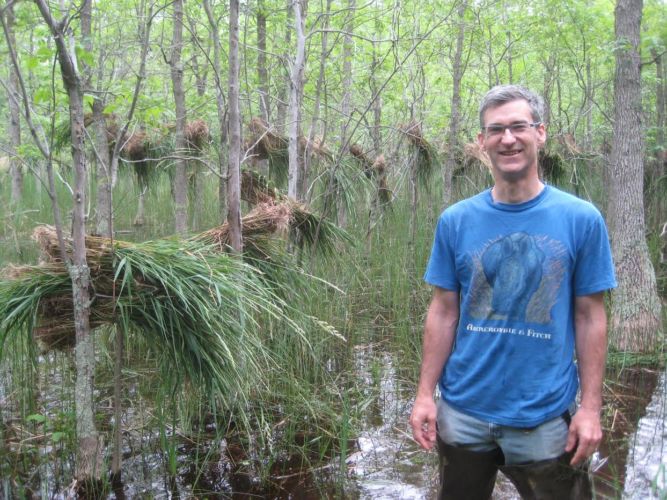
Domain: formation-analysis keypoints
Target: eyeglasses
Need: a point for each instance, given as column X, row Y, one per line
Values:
column 514, row 128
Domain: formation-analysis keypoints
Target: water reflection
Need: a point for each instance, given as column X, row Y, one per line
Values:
column 389, row 465
column 646, row 468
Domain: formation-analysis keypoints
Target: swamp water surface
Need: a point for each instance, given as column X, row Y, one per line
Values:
column 382, row 462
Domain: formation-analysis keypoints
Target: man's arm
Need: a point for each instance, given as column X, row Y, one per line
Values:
column 439, row 332
column 591, row 345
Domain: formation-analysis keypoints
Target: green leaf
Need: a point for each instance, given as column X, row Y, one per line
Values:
column 56, row 437
column 32, row 62
column 42, row 95
column 84, row 56
column 88, row 100
column 110, row 108
column 36, row 417
column 44, row 52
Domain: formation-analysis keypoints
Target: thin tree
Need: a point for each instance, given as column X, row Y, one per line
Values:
column 317, row 104
column 283, row 93
column 660, row 164
column 180, row 177
column 221, row 107
column 346, row 101
column 262, row 73
column 234, row 169
column 295, row 96
column 635, row 306
column 14, row 125
column 453, row 146
column 90, row 446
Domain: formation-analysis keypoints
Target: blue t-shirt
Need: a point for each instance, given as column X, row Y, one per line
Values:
column 517, row 268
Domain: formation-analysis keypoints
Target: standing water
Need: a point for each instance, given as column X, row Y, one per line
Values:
column 646, row 468
column 389, row 465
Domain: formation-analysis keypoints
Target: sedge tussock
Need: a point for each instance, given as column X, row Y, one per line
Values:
column 315, row 231
column 198, row 308
column 426, row 161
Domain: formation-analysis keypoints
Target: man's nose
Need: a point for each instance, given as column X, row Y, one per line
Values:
column 508, row 136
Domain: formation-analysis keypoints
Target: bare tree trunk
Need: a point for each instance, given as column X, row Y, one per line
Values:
column 221, row 108
column 414, row 196
column 295, row 95
column 453, row 146
column 90, row 449
column 317, row 105
column 549, row 77
column 660, row 124
column 262, row 74
column 99, row 126
column 283, row 94
column 346, row 101
column 14, row 127
column 180, row 178
column 234, row 175
column 103, row 210
column 635, row 311
column 379, row 175
column 588, row 110
column 508, row 46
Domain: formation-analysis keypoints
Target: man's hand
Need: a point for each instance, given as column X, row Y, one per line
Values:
column 585, row 435
column 423, row 420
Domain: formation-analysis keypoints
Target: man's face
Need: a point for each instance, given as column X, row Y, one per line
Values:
column 513, row 155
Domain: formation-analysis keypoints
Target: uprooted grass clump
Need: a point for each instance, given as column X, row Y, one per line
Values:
column 202, row 310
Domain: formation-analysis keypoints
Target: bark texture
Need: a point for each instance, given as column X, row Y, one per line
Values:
column 262, row 73
column 90, row 448
column 295, row 95
column 14, row 125
column 180, row 177
column 635, row 312
column 221, row 107
column 234, row 169
column 453, row 146
column 346, row 102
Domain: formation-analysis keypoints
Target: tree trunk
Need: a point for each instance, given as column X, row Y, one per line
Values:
column 262, row 73
column 380, row 175
column 221, row 108
column 234, row 174
column 588, row 110
column 99, row 127
column 346, row 101
column 453, row 146
column 140, row 217
column 14, row 128
column 660, row 145
column 635, row 312
column 90, row 447
column 180, row 177
column 295, row 95
column 103, row 170
column 314, row 123
column 549, row 77
column 281, row 112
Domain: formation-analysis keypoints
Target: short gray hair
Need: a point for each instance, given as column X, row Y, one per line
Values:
column 502, row 94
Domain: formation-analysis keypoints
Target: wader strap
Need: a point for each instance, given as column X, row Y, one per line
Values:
column 567, row 417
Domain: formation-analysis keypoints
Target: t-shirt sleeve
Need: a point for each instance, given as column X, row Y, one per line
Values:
column 441, row 268
column 594, row 269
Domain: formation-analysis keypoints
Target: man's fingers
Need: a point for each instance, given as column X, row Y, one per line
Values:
column 571, row 440
column 583, row 452
column 586, row 446
column 422, row 421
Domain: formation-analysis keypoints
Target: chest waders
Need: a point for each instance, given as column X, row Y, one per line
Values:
column 471, row 475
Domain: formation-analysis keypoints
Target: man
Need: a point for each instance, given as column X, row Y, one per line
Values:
column 519, row 273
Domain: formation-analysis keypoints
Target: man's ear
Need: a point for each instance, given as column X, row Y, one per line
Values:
column 541, row 135
column 480, row 141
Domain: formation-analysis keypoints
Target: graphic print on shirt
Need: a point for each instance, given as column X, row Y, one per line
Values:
column 516, row 278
